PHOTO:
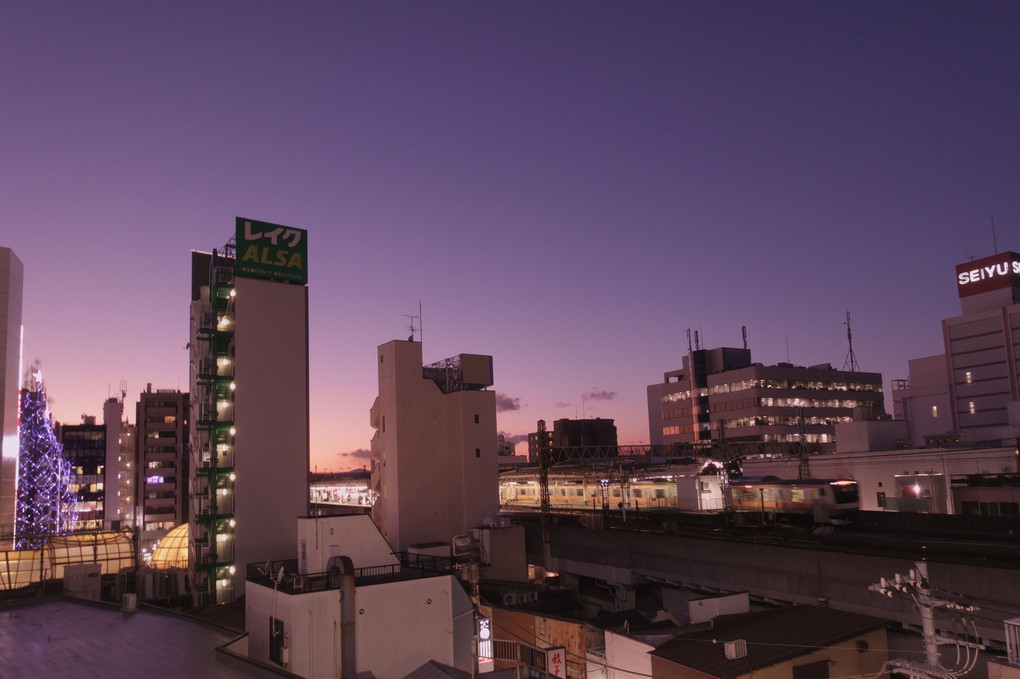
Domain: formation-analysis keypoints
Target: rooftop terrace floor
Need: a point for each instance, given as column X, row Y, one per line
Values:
column 64, row 638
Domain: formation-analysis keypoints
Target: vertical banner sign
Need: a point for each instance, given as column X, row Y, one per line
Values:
column 484, row 640
column 556, row 662
column 271, row 252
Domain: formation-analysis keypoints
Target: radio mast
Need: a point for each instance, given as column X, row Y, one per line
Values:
column 850, row 364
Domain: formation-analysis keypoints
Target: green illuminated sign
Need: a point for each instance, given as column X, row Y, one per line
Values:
column 271, row 251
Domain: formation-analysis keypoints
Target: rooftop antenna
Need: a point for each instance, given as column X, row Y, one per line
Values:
column 690, row 348
column 787, row 336
column 995, row 243
column 411, row 327
column 850, row 364
column 697, row 342
column 743, row 332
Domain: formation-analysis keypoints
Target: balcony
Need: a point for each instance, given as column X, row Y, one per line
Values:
column 411, row 567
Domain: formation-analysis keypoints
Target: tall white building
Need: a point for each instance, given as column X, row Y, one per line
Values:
column 434, row 452
column 971, row 392
column 249, row 403
column 12, row 274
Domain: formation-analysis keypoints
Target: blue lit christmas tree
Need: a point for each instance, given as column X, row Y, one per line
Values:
column 45, row 505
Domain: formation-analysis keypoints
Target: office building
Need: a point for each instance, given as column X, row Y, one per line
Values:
column 566, row 433
column 721, row 396
column 162, row 475
column 12, row 274
column 969, row 395
column 434, row 464
column 84, row 447
column 249, row 404
column 983, row 347
column 100, row 457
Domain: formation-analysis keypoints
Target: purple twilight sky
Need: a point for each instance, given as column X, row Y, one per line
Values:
column 567, row 186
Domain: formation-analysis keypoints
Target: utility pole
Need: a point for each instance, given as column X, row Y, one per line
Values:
column 916, row 587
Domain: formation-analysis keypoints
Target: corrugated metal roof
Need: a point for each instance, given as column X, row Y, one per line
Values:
column 772, row 637
column 437, row 670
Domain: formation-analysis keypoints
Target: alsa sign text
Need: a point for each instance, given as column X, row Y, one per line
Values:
column 275, row 255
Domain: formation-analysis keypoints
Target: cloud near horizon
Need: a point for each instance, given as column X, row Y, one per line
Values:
column 514, row 438
column 359, row 454
column 506, row 403
column 596, row 394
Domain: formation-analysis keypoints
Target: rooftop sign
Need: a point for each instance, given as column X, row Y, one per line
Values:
column 989, row 273
column 271, row 252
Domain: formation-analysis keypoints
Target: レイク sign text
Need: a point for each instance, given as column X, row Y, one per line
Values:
column 271, row 251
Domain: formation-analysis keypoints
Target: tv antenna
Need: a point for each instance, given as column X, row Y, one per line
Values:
column 850, row 364
column 411, row 327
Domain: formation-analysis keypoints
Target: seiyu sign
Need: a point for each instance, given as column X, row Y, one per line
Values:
column 990, row 273
column 271, row 251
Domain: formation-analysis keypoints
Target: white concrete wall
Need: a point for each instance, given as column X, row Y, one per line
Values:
column 627, row 658
column 354, row 536
column 398, row 627
column 699, row 493
column 432, row 484
column 309, row 630
column 703, row 610
column 473, row 465
column 402, row 625
column 865, row 435
column 271, row 418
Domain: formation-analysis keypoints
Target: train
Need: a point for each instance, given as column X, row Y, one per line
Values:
column 784, row 496
column 702, row 493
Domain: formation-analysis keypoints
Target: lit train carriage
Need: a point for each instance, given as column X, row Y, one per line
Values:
column 772, row 494
column 653, row 493
column 564, row 493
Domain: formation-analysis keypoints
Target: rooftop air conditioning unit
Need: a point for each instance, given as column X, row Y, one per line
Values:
column 735, row 649
column 509, row 599
column 462, row 544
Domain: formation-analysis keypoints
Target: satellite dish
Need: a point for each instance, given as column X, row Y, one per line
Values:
column 279, row 578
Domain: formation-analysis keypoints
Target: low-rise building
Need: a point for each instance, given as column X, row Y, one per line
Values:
column 347, row 604
column 802, row 641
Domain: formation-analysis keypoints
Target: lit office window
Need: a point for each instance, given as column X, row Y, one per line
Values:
column 968, row 376
column 934, row 412
column 970, row 408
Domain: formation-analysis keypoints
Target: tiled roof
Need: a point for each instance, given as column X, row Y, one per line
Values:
column 772, row 637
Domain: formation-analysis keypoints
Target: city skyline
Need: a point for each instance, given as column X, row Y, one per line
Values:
column 568, row 188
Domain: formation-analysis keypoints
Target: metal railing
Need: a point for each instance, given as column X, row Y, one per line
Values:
column 283, row 575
